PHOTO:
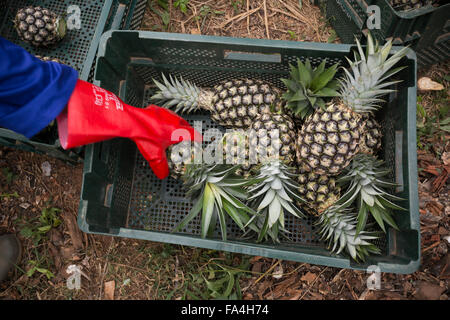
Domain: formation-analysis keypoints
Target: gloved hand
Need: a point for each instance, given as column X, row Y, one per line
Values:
column 94, row 114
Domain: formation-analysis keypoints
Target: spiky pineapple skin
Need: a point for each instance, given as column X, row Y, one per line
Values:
column 236, row 151
column 39, row 26
column 371, row 135
column 180, row 155
column 328, row 140
column 46, row 59
column 319, row 191
column 273, row 135
column 237, row 103
column 260, row 143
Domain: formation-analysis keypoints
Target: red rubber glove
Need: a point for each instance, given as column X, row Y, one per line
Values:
column 94, row 114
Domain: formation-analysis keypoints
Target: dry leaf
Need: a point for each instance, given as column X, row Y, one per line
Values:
column 109, row 290
column 255, row 258
column 309, row 277
column 195, row 31
column 426, row 84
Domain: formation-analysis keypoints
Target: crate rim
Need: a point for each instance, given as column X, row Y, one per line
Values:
column 282, row 44
column 267, row 250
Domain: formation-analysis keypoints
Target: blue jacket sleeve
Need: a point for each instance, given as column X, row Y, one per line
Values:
column 32, row 92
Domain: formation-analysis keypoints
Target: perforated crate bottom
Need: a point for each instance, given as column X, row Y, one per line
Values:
column 159, row 205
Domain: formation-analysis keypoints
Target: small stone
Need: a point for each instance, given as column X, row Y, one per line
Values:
column 447, row 238
column 427, row 84
column 46, row 168
column 24, row 205
column 278, row 273
column 442, row 249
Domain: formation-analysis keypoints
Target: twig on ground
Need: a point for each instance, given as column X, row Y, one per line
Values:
column 238, row 17
column 267, row 272
column 266, row 22
column 312, row 284
column 248, row 17
column 287, row 14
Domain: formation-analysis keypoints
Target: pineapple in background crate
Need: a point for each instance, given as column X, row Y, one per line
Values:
column 39, row 26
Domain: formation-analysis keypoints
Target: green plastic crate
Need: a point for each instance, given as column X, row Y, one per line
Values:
column 78, row 49
column 122, row 197
column 426, row 30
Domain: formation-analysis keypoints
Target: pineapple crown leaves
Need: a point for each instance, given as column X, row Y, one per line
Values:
column 176, row 93
column 338, row 228
column 216, row 191
column 273, row 191
column 364, row 84
column 307, row 87
column 366, row 185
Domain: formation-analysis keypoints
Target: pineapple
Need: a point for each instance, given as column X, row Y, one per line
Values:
column 330, row 138
column 370, row 141
column 273, row 135
column 366, row 186
column 39, row 26
column 273, row 193
column 270, row 136
column 307, row 88
column 338, row 228
column 180, row 155
column 46, row 59
column 232, row 103
column 216, row 192
column 236, row 151
column 320, row 191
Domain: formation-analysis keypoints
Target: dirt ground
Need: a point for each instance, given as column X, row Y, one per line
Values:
column 116, row 268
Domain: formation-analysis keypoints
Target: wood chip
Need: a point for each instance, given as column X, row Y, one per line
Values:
column 256, row 268
column 428, row 291
column 109, row 290
column 74, row 231
column 297, row 295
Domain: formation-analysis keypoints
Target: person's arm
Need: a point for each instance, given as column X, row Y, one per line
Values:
column 33, row 93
